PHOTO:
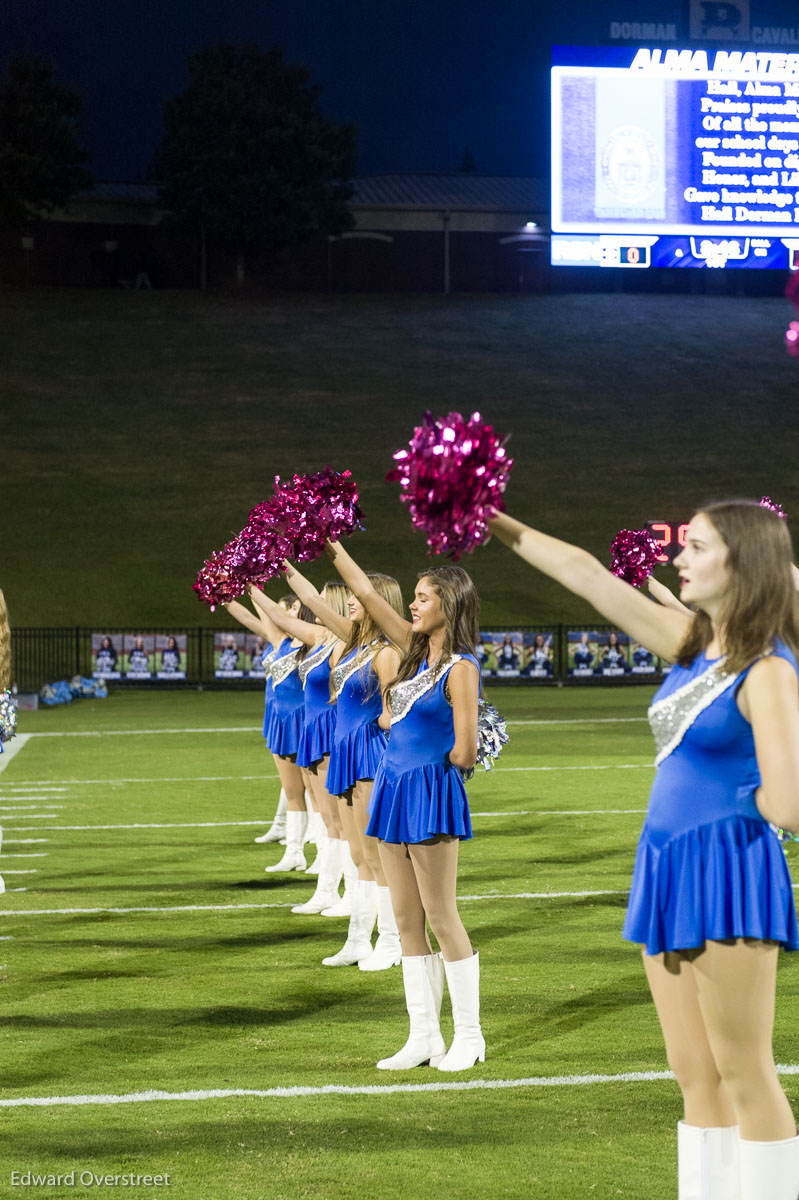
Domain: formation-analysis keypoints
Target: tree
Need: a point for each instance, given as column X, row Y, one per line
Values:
column 246, row 153
column 41, row 160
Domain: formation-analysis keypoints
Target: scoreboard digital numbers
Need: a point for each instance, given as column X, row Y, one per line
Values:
column 679, row 158
column 670, row 536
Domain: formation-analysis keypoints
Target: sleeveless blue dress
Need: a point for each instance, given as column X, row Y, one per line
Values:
column 359, row 742
column 287, row 711
column 416, row 793
column 320, row 714
column 269, row 690
column 708, row 865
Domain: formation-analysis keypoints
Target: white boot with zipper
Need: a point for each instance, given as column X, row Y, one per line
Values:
column 468, row 1045
column 423, row 979
column 325, row 893
column 770, row 1170
column 343, row 907
column 293, row 858
column 277, row 830
column 388, row 951
column 707, row 1163
column 359, row 934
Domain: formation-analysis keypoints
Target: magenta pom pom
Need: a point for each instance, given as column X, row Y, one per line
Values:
column 633, row 555
column 792, row 339
column 767, row 502
column 301, row 515
column 452, row 478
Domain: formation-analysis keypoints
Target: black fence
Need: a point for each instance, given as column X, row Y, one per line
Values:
column 531, row 655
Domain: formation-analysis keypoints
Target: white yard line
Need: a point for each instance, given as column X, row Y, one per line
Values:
column 332, row 1089
column 11, row 749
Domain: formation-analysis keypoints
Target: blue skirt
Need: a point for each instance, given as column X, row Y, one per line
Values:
column 418, row 804
column 282, row 733
column 356, row 756
column 316, row 738
column 726, row 879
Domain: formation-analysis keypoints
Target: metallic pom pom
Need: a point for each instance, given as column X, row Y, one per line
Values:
column 452, row 478
column 633, row 555
column 8, row 715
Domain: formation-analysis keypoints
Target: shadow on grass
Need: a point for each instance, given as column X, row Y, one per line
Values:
column 159, row 1021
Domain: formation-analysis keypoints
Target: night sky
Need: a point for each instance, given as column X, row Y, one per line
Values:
column 421, row 80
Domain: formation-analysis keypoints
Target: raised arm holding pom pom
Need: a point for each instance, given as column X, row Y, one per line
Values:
column 711, row 897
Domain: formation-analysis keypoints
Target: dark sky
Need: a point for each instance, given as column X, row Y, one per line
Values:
column 421, row 79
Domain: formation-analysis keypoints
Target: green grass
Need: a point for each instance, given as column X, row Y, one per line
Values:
column 140, row 428
column 123, row 1002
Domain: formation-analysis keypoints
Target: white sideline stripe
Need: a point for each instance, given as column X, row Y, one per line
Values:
column 28, row 871
column 18, row 789
column 22, row 854
column 6, row 938
column 266, row 777
column 26, row 841
column 4, row 808
column 198, row 825
column 582, row 721
column 59, row 912
column 391, row 1089
column 12, row 748
column 30, row 817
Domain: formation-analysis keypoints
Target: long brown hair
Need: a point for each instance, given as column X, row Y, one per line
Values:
column 761, row 603
column 366, row 631
column 5, row 645
column 460, row 606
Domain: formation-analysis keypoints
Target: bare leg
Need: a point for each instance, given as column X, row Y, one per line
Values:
column 736, row 982
column 435, row 865
column 292, row 781
column 371, row 852
column 350, row 829
column 405, row 899
column 673, row 986
column 324, row 803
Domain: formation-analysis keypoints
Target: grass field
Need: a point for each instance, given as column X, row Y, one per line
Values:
column 140, row 428
column 147, row 952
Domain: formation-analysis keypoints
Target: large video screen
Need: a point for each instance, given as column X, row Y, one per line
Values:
column 675, row 158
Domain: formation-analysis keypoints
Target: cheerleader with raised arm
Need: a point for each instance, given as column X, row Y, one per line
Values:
column 360, row 669
column 419, row 810
column 314, row 747
column 253, row 622
column 711, row 898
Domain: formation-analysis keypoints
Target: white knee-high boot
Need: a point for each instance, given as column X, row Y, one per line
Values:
column 309, row 835
column 343, row 907
column 277, row 829
column 423, row 979
column 325, row 893
column 468, row 1045
column 770, row 1170
column 359, row 934
column 293, row 858
column 319, row 837
column 707, row 1163
column 387, row 952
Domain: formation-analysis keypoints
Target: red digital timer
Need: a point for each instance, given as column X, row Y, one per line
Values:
column 670, row 535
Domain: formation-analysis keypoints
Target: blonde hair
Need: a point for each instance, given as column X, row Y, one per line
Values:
column 5, row 645
column 761, row 603
column 336, row 594
column 366, row 631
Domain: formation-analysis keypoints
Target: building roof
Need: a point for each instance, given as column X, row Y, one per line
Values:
column 463, row 191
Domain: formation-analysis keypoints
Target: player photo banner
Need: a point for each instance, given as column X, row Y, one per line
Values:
column 170, row 656
column 229, row 655
column 106, row 656
column 254, row 650
column 138, row 656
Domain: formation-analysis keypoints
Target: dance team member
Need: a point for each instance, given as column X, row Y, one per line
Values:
column 5, row 677
column 364, row 664
column 253, row 622
column 419, row 809
column 314, row 747
column 711, row 896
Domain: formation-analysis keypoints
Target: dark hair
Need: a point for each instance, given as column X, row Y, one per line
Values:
column 761, row 602
column 305, row 614
column 460, row 606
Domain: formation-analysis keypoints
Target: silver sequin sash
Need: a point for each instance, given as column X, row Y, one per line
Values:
column 404, row 695
column 672, row 717
column 315, row 658
column 345, row 670
column 282, row 667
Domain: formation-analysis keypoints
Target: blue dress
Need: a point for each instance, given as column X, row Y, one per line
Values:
column 416, row 793
column 359, row 742
column 284, row 724
column 708, row 865
column 320, row 713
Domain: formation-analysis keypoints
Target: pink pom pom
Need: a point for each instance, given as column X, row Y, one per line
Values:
column 767, row 502
column 452, row 478
column 792, row 339
column 633, row 555
column 302, row 513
